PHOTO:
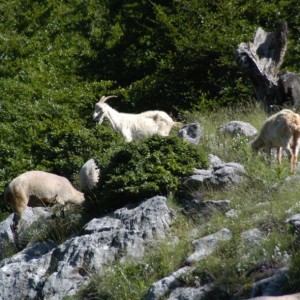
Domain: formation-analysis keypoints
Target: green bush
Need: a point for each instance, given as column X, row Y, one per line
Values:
column 154, row 166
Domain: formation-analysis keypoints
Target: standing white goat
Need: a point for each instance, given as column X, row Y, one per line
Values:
column 38, row 187
column 89, row 175
column 134, row 126
column 281, row 130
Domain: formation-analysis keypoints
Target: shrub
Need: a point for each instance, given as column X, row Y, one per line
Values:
column 147, row 168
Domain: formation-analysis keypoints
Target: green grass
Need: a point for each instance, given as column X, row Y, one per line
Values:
column 233, row 267
column 132, row 280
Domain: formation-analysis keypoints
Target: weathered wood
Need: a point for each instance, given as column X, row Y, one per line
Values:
column 261, row 59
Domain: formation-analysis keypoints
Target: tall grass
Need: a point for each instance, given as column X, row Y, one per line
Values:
column 132, row 280
column 263, row 201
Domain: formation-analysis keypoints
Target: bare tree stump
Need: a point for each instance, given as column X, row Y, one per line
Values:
column 261, row 59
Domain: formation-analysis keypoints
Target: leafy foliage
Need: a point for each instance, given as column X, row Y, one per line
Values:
column 142, row 169
column 58, row 57
column 263, row 201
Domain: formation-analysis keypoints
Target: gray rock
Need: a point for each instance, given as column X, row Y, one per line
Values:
column 222, row 205
column 123, row 236
column 253, row 237
column 32, row 219
column 54, row 272
column 173, row 285
column 201, row 175
column 162, row 287
column 232, row 213
column 239, row 128
column 206, row 245
column 272, row 286
column 190, row 293
column 6, row 235
column 106, row 224
column 214, row 160
column 151, row 218
column 224, row 176
column 207, row 206
column 295, row 222
column 22, row 275
column 191, row 133
column 227, row 175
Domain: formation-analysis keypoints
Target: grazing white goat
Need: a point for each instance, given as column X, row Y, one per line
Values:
column 37, row 187
column 134, row 126
column 89, row 175
column 281, row 130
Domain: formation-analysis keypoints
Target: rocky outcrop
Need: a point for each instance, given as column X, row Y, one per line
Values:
column 253, row 237
column 191, row 133
column 163, row 287
column 47, row 271
column 222, row 176
column 173, row 285
column 207, row 207
column 238, row 128
column 33, row 218
column 273, row 285
column 190, row 293
column 206, row 245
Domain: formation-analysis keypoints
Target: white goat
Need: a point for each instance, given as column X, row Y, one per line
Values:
column 281, row 130
column 134, row 126
column 88, row 175
column 37, row 187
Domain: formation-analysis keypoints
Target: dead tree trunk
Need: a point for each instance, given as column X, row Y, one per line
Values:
column 261, row 59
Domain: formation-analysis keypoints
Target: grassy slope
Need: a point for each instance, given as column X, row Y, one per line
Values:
column 233, row 267
column 46, row 54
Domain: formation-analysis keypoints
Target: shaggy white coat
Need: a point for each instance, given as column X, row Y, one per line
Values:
column 134, row 126
column 89, row 175
column 34, row 188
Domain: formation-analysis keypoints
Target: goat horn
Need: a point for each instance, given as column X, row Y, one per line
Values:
column 104, row 98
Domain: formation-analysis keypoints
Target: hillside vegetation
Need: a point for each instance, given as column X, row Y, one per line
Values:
column 234, row 266
column 57, row 58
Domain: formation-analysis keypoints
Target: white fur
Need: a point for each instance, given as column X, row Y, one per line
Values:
column 134, row 126
column 88, row 175
column 281, row 131
column 38, row 187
